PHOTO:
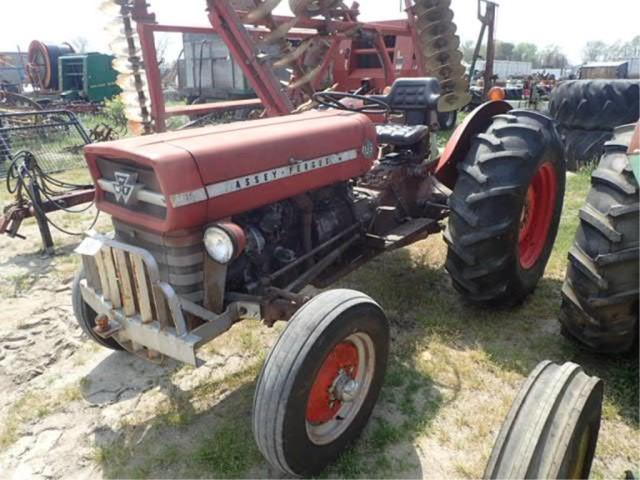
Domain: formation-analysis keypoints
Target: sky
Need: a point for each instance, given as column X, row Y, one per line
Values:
column 566, row 23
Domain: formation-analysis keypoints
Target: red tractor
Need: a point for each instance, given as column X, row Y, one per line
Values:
column 232, row 222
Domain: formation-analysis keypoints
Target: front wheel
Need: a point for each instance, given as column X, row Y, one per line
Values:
column 321, row 381
column 505, row 209
column 86, row 316
column 552, row 428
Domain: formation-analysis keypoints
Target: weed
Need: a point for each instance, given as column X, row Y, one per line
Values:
column 229, row 452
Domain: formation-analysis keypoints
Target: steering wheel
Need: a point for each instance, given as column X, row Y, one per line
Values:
column 370, row 105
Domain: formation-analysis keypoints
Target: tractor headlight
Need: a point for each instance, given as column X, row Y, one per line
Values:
column 224, row 242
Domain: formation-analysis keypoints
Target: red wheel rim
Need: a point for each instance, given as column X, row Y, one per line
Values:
column 322, row 405
column 537, row 215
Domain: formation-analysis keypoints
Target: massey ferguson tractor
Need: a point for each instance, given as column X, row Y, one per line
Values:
column 250, row 220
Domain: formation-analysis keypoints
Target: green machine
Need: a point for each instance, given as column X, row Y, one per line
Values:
column 87, row 76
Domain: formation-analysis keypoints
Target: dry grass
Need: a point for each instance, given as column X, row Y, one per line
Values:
column 32, row 406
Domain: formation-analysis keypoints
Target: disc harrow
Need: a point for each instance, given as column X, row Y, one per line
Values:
column 128, row 62
column 305, row 60
column 439, row 46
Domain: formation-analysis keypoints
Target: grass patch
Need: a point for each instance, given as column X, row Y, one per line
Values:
column 27, row 408
column 230, row 452
column 445, row 348
column 195, row 433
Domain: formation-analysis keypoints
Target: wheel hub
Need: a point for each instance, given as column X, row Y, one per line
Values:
column 537, row 215
column 334, row 384
column 340, row 388
column 345, row 388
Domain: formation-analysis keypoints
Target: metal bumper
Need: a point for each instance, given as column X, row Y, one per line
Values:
column 144, row 314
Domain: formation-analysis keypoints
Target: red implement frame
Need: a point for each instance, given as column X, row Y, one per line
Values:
column 397, row 59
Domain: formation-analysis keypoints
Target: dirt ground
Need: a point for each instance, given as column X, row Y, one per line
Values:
column 71, row 409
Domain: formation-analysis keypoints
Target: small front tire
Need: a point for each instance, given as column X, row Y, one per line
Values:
column 551, row 430
column 321, row 381
column 86, row 317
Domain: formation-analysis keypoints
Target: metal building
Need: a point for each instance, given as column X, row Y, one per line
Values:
column 208, row 71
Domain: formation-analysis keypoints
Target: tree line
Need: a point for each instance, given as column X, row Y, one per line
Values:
column 598, row 51
column 552, row 56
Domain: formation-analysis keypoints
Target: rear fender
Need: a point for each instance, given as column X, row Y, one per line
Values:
column 460, row 143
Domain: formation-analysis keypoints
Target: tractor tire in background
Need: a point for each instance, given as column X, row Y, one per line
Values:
column 505, row 209
column 447, row 120
column 583, row 147
column 600, row 293
column 595, row 104
column 320, row 382
column 551, row 430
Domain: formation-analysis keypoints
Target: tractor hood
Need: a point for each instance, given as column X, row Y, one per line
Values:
column 182, row 180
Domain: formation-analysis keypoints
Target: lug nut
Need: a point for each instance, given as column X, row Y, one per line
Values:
column 102, row 322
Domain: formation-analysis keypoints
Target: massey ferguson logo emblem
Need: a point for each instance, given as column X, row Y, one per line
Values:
column 124, row 186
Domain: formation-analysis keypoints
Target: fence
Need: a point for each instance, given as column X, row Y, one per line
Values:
column 55, row 137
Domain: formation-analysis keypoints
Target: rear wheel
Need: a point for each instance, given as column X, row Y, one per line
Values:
column 584, row 147
column 321, row 381
column 600, row 293
column 86, row 316
column 505, row 209
column 552, row 428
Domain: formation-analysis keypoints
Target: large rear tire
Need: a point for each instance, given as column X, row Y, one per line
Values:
column 600, row 293
column 595, row 104
column 505, row 209
column 321, row 381
column 584, row 147
column 552, row 428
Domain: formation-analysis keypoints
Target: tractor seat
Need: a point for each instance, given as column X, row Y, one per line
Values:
column 401, row 135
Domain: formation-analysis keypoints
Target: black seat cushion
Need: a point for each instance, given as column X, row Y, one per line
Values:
column 401, row 135
column 414, row 94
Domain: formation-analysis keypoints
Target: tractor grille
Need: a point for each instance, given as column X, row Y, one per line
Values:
column 180, row 258
column 147, row 198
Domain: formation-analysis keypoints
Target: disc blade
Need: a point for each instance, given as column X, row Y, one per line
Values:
column 280, row 33
column 454, row 85
column 441, row 43
column 309, row 77
column 312, row 8
column 440, row 14
column 110, row 7
column 294, row 55
column 261, row 11
column 449, row 72
column 429, row 31
column 424, row 5
column 450, row 102
column 131, row 82
column 451, row 57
